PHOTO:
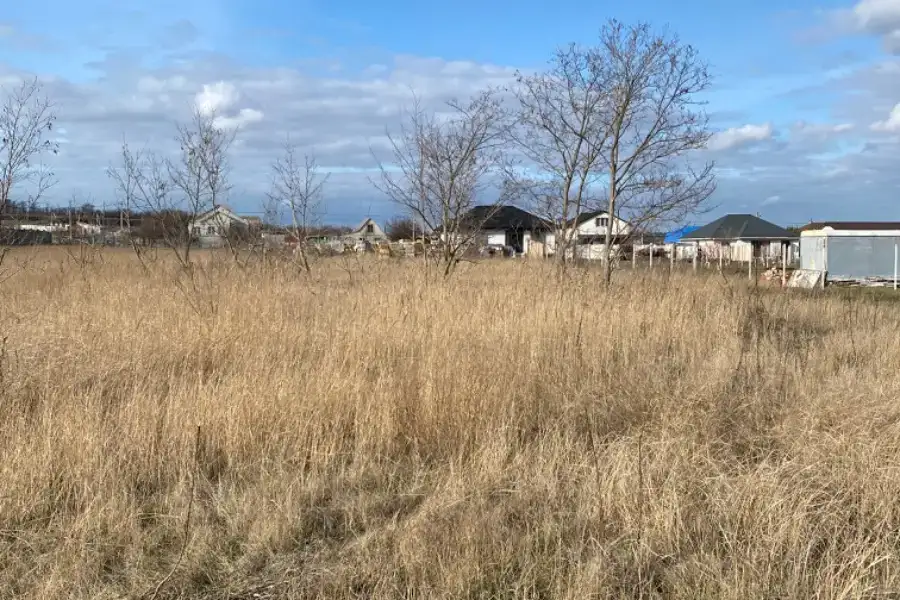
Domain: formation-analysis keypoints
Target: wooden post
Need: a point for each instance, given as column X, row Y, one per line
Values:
column 721, row 256
column 750, row 264
column 633, row 255
column 696, row 256
column 784, row 251
column 672, row 258
column 651, row 257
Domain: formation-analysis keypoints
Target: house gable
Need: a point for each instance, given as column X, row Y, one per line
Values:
column 367, row 229
column 216, row 221
column 597, row 223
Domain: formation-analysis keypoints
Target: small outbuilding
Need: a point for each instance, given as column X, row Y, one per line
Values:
column 742, row 238
column 851, row 250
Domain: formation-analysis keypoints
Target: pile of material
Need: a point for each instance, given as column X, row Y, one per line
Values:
column 772, row 274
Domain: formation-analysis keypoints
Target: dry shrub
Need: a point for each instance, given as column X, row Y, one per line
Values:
column 508, row 434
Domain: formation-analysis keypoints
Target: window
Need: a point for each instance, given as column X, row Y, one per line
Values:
column 370, row 228
column 601, row 221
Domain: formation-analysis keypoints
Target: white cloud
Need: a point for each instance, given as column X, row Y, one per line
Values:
column 891, row 124
column 740, row 136
column 216, row 97
column 880, row 18
column 771, row 200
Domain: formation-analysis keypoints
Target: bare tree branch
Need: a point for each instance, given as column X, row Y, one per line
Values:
column 142, row 184
column 297, row 186
column 26, row 119
column 561, row 131
column 655, row 121
column 444, row 164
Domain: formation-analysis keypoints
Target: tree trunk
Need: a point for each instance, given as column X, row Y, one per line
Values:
column 607, row 267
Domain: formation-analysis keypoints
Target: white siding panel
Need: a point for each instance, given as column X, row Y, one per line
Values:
column 496, row 238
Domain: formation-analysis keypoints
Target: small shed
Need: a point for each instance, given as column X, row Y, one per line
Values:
column 743, row 238
column 851, row 250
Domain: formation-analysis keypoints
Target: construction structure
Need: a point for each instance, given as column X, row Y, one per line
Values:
column 852, row 251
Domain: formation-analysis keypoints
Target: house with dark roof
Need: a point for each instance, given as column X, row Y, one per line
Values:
column 741, row 238
column 852, row 250
column 507, row 226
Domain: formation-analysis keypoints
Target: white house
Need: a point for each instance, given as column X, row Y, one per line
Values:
column 588, row 233
column 367, row 231
column 741, row 238
column 211, row 227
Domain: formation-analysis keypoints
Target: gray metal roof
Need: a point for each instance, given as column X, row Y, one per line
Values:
column 740, row 227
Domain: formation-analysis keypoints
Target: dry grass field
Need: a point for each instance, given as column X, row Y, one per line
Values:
column 506, row 435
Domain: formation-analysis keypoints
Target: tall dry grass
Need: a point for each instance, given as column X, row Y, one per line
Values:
column 507, row 435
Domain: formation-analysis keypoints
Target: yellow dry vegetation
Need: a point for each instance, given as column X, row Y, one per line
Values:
column 508, row 434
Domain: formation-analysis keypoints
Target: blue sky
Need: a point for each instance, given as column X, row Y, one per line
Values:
column 802, row 98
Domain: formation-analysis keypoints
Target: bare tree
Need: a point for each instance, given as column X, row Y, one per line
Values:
column 26, row 119
column 654, row 120
column 401, row 228
column 297, row 186
column 561, row 130
column 142, row 183
column 444, row 164
column 125, row 178
column 200, row 174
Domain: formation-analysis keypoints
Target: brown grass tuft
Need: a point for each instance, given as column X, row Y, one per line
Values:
column 501, row 436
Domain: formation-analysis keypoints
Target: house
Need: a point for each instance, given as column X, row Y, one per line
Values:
column 506, row 226
column 741, row 238
column 366, row 232
column 211, row 228
column 851, row 250
column 587, row 232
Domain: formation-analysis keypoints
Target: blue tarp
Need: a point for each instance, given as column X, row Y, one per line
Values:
column 673, row 237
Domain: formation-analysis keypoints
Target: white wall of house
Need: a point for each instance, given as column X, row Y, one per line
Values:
column 593, row 227
column 737, row 251
column 600, row 224
column 46, row 228
column 368, row 230
column 495, row 237
column 683, row 251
